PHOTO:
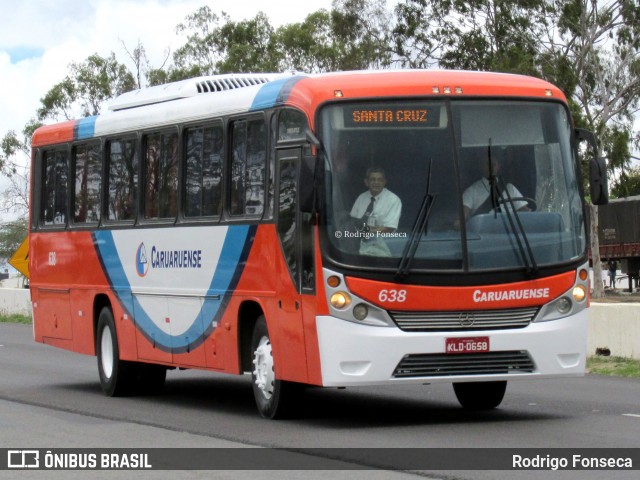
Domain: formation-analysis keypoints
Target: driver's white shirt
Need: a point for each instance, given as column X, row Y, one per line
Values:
column 386, row 209
column 478, row 193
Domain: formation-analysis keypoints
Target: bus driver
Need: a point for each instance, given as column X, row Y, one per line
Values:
column 477, row 198
column 376, row 211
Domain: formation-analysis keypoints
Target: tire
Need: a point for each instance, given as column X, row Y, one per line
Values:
column 480, row 395
column 274, row 398
column 117, row 377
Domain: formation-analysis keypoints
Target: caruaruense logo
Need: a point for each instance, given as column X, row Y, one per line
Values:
column 142, row 264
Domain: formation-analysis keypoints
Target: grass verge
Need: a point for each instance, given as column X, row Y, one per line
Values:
column 15, row 318
column 614, row 366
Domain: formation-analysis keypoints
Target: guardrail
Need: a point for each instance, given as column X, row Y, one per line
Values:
column 612, row 326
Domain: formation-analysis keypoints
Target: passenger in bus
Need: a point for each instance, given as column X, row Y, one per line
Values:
column 376, row 212
column 477, row 198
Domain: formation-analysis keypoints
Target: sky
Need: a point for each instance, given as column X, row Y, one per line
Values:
column 40, row 38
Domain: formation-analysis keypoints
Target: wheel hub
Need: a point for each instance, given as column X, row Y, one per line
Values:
column 263, row 368
column 106, row 353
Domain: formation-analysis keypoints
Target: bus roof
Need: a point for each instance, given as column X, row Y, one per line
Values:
column 205, row 97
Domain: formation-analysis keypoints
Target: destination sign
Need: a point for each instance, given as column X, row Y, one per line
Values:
column 392, row 116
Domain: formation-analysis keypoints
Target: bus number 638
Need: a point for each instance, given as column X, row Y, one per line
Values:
column 398, row 296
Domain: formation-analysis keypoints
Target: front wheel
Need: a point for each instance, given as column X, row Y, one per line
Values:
column 480, row 395
column 274, row 398
column 117, row 377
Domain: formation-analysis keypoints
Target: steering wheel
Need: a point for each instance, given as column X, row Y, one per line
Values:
column 531, row 203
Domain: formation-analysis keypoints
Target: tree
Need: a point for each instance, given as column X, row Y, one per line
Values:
column 492, row 35
column 594, row 55
column 14, row 164
column 629, row 185
column 198, row 54
column 216, row 44
column 12, row 234
column 307, row 46
column 141, row 63
column 417, row 39
column 87, row 86
column 601, row 44
column 247, row 46
column 361, row 33
column 352, row 36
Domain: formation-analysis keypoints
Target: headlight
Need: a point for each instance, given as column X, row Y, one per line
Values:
column 360, row 311
column 340, row 300
column 563, row 305
column 571, row 303
column 350, row 307
column 579, row 293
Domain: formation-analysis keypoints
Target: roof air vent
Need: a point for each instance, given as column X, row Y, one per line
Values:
column 191, row 88
column 214, row 84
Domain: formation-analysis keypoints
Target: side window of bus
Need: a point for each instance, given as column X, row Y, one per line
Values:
column 161, row 175
column 273, row 140
column 87, row 161
column 123, row 180
column 292, row 125
column 248, row 166
column 203, row 192
column 286, row 225
column 56, row 180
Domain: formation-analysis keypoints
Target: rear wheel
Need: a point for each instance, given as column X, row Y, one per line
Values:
column 274, row 398
column 480, row 395
column 117, row 377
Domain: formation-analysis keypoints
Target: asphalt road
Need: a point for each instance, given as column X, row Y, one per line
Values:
column 51, row 398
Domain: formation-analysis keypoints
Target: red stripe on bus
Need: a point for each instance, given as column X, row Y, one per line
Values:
column 52, row 134
column 416, row 297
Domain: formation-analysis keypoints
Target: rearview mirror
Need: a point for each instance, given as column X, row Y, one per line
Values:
column 598, row 185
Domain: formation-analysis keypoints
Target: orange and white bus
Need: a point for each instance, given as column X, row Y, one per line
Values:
column 213, row 224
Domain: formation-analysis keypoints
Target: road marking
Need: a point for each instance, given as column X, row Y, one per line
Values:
column 631, row 415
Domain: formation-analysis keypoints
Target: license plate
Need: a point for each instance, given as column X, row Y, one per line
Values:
column 467, row 345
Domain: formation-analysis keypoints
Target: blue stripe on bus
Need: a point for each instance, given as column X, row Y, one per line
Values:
column 274, row 93
column 230, row 265
column 84, row 128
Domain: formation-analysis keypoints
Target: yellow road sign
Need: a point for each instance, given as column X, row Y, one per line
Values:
column 20, row 259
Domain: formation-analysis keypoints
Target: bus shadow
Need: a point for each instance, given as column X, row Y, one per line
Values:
column 360, row 407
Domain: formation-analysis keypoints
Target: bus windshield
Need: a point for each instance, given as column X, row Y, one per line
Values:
column 455, row 185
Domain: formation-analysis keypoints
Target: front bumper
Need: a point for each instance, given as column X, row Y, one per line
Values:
column 352, row 354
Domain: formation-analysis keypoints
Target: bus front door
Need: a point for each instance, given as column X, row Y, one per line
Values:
column 296, row 283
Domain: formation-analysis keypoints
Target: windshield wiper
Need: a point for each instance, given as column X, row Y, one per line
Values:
column 500, row 194
column 419, row 227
